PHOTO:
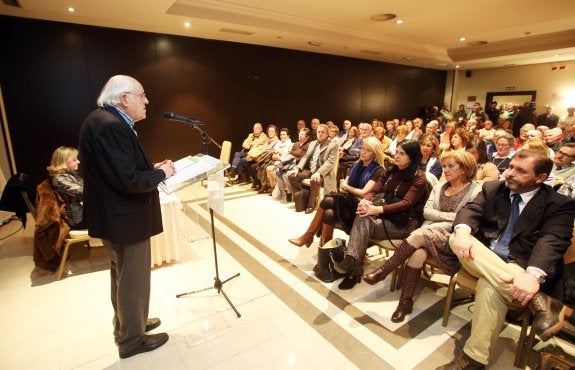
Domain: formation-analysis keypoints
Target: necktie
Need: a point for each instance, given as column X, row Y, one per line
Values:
column 314, row 159
column 501, row 248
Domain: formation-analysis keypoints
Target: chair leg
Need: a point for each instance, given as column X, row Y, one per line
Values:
column 64, row 258
column 448, row 299
column 525, row 342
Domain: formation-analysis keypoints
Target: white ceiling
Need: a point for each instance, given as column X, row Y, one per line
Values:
column 517, row 31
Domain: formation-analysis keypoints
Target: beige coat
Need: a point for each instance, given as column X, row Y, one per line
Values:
column 328, row 154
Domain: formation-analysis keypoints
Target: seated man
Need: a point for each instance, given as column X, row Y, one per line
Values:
column 317, row 165
column 239, row 163
column 512, row 237
column 563, row 166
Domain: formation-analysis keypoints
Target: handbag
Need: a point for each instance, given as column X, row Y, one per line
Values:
column 328, row 255
column 398, row 218
column 551, row 361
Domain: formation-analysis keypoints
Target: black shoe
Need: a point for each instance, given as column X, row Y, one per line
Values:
column 349, row 282
column 462, row 362
column 152, row 323
column 289, row 197
column 149, row 343
column 346, row 266
column 308, row 211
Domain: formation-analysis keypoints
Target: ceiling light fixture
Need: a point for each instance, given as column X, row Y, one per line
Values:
column 187, row 24
column 457, row 66
column 399, row 21
column 384, row 17
column 461, row 39
column 71, row 10
column 556, row 56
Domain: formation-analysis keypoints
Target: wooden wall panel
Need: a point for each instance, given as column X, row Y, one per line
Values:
column 51, row 74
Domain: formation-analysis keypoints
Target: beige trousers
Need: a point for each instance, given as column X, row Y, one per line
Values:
column 491, row 298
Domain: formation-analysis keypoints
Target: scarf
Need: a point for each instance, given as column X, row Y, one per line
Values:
column 365, row 176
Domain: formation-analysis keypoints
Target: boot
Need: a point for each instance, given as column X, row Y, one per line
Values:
column 326, row 233
column 347, row 266
column 307, row 237
column 548, row 315
column 408, row 285
column 233, row 173
column 401, row 254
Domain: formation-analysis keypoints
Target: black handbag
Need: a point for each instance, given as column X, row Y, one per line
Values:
column 328, row 255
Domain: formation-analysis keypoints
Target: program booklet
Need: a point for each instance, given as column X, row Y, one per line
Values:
column 190, row 170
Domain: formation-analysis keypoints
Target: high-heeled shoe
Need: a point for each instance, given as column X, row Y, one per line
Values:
column 306, row 238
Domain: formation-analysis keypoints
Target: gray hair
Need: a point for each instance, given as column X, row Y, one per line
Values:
column 114, row 88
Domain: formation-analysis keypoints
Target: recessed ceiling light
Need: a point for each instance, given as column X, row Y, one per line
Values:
column 385, row 17
column 71, row 10
column 187, row 24
column 461, row 39
column 457, row 66
column 399, row 21
column 556, row 56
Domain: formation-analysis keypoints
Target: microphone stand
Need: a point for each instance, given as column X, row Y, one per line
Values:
column 218, row 283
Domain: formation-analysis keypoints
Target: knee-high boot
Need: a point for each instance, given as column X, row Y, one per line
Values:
column 307, row 237
column 326, row 233
column 401, row 254
column 408, row 285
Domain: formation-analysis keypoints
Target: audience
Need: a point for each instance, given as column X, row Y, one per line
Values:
column 486, row 171
column 502, row 157
column 297, row 151
column 66, row 181
column 403, row 190
column 430, row 240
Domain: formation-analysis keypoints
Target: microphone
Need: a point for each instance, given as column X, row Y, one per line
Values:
column 176, row 117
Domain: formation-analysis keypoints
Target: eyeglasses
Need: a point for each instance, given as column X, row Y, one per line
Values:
column 565, row 154
column 142, row 95
column 502, row 145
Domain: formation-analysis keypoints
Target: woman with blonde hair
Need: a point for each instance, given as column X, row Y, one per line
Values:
column 400, row 135
column 444, row 141
column 430, row 163
column 430, row 240
column 66, row 181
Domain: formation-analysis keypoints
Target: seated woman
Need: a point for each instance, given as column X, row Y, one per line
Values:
column 431, row 238
column 400, row 134
column 339, row 208
column 259, row 157
column 486, row 171
column 404, row 190
column 278, row 154
column 444, row 141
column 502, row 157
column 63, row 172
column 430, row 163
column 352, row 135
column 458, row 140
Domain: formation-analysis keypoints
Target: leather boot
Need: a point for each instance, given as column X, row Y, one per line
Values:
column 401, row 254
column 548, row 315
column 326, row 233
column 408, row 284
column 307, row 237
column 347, row 266
column 462, row 362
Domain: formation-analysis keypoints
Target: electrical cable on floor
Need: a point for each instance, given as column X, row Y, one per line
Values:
column 7, row 221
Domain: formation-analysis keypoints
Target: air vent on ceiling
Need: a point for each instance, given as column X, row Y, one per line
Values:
column 385, row 17
column 13, row 3
column 476, row 43
column 239, row 32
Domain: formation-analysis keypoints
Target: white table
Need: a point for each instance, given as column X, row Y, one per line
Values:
column 166, row 246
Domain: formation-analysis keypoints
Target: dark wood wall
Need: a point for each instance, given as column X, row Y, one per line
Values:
column 51, row 74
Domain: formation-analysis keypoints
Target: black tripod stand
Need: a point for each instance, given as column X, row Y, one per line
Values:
column 218, row 284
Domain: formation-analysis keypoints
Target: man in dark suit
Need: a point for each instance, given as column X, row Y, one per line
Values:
column 122, row 207
column 515, row 248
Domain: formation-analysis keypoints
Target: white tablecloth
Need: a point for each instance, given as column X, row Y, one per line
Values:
column 166, row 246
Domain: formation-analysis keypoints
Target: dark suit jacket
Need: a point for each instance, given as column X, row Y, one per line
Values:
column 550, row 121
column 543, row 231
column 120, row 183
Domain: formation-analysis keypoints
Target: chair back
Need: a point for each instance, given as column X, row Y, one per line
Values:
column 226, row 152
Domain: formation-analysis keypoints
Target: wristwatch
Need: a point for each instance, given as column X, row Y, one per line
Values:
column 540, row 278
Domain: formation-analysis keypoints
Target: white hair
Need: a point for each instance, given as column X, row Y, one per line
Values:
column 114, row 88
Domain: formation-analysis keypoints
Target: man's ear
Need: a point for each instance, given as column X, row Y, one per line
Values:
column 540, row 179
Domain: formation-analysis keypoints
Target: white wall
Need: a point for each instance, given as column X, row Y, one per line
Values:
column 556, row 88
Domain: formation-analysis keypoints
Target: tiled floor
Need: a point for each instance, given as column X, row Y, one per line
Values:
column 289, row 319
